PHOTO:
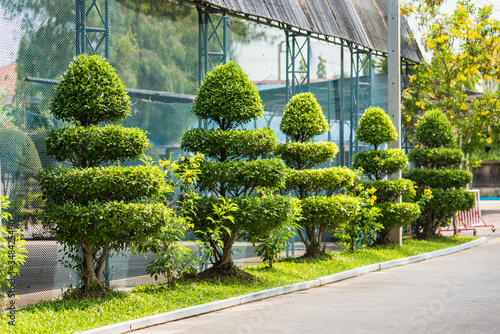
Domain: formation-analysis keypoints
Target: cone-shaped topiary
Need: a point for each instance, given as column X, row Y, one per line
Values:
column 376, row 128
column 303, row 118
column 90, row 92
column 234, row 172
column 228, row 98
column 91, row 209
column 321, row 210
column 434, row 130
column 433, row 177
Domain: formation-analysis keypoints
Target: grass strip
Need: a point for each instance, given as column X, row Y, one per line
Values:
column 71, row 316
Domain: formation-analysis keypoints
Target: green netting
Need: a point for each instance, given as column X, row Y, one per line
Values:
column 161, row 55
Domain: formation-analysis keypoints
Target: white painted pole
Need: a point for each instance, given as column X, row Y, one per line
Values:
column 394, row 86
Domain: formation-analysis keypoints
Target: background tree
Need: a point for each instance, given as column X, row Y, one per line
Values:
column 91, row 209
column 376, row 128
column 321, row 210
column 437, row 173
column 463, row 49
column 234, row 172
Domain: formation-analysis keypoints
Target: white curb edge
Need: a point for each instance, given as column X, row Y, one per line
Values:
column 158, row 319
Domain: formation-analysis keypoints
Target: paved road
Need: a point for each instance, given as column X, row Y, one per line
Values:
column 458, row 293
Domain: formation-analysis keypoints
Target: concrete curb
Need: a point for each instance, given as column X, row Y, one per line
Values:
column 157, row 319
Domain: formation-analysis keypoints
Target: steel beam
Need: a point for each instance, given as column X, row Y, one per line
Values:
column 85, row 43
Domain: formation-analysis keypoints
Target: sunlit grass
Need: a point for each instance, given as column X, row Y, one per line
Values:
column 72, row 315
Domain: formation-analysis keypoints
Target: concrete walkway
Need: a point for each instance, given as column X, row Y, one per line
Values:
column 457, row 293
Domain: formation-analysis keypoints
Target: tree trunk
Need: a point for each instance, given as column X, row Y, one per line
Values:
column 90, row 278
column 228, row 240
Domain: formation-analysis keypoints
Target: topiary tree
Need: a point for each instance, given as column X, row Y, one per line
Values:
column 94, row 209
column 437, row 172
column 376, row 128
column 321, row 210
column 234, row 172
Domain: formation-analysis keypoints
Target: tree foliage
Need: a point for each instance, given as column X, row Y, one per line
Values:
column 464, row 48
column 95, row 211
column 234, row 176
column 302, row 120
column 445, row 186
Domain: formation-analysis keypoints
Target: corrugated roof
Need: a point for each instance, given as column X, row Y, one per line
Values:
column 362, row 22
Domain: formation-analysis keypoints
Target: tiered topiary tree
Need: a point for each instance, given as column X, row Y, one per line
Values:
column 91, row 209
column 437, row 172
column 321, row 210
column 234, row 171
column 376, row 128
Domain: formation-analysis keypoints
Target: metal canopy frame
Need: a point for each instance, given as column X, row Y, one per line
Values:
column 298, row 61
column 84, row 42
column 212, row 41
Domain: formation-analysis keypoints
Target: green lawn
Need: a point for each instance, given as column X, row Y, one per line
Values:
column 73, row 316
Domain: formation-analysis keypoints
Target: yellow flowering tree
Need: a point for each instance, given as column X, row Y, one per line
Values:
column 464, row 48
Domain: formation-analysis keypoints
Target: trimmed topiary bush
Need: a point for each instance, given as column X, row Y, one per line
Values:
column 434, row 130
column 302, row 120
column 227, row 97
column 376, row 128
column 436, row 158
column 445, row 185
column 234, row 174
column 89, row 93
column 93, row 209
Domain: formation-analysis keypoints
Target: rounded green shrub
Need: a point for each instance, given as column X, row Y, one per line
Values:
column 390, row 191
column 95, row 145
column 434, row 130
column 436, row 158
column 437, row 211
column 90, row 92
column 306, row 155
column 329, row 212
column 395, row 215
column 227, row 97
column 375, row 127
column 379, row 164
column 439, row 178
column 315, row 182
column 84, row 185
column 255, row 217
column 303, row 118
column 112, row 224
column 229, row 144
column 239, row 178
column 18, row 154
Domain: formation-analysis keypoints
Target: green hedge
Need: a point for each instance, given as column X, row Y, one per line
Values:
column 227, row 97
column 303, row 118
column 328, row 212
column 379, row 164
column 439, row 178
column 116, row 224
column 436, row 158
column 90, row 92
column 376, row 128
column 314, row 182
column 242, row 177
column 96, row 145
column 306, row 155
column 82, row 186
column 390, row 191
column 229, row 144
